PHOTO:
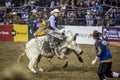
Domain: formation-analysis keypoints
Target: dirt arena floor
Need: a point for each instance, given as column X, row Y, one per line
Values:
column 9, row 52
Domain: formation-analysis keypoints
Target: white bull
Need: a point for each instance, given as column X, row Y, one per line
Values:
column 34, row 51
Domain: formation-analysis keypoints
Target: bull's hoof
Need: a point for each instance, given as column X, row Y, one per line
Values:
column 34, row 72
column 80, row 59
column 41, row 70
column 66, row 64
column 81, row 53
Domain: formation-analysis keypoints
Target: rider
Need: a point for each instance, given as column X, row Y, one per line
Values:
column 53, row 26
column 53, row 19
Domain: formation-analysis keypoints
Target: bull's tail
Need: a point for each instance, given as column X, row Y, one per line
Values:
column 18, row 60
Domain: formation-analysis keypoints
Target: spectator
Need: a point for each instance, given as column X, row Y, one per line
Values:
column 37, row 3
column 32, row 19
column 32, row 5
column 16, row 3
column 89, row 18
column 45, row 16
column 57, row 3
column 95, row 18
column 72, row 17
column 25, row 18
column 63, row 7
column 81, row 19
column 52, row 4
column 2, row 13
column 8, row 5
column 26, row 1
column 33, row 16
column 2, row 2
column 40, row 28
column 117, row 19
column 81, row 4
column 110, row 2
column 111, row 21
column 88, row 4
column 15, row 18
column 94, row 3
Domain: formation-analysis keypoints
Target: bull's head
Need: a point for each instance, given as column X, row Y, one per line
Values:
column 71, row 44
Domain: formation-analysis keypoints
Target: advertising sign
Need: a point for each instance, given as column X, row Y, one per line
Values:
column 111, row 34
column 6, row 33
column 84, row 32
column 14, row 33
column 20, row 33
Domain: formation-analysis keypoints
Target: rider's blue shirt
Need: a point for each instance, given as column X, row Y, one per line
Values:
column 53, row 22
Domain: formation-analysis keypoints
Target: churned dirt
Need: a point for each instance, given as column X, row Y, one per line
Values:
column 9, row 52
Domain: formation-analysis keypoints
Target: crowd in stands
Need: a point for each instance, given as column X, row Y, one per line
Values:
column 73, row 12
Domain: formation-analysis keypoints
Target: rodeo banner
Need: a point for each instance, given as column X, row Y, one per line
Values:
column 111, row 34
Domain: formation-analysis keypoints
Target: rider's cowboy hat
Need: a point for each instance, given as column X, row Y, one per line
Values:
column 54, row 11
